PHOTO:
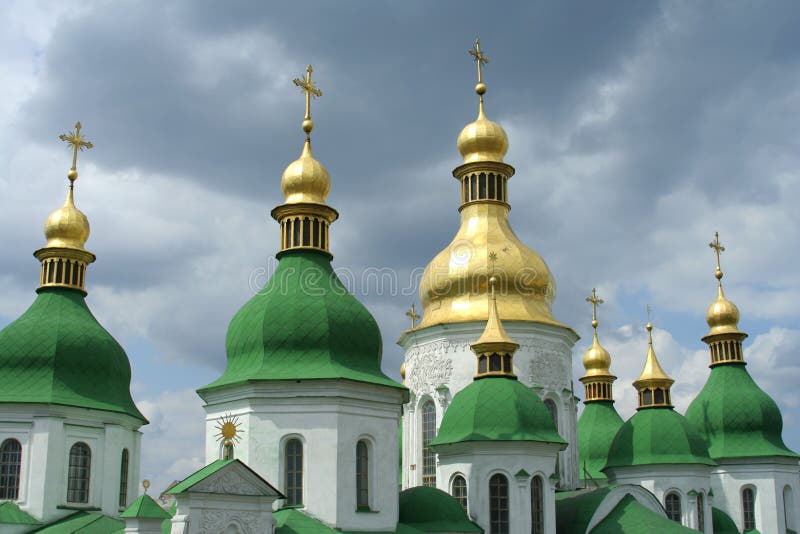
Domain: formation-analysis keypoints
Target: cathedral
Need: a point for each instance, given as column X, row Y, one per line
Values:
column 305, row 434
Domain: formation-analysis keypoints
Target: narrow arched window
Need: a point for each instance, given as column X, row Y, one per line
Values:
column 293, row 460
column 123, row 479
column 701, row 513
column 458, row 489
column 537, row 506
column 789, row 510
column 10, row 464
column 362, row 474
column 672, row 503
column 748, row 509
column 428, row 433
column 498, row 504
column 79, row 475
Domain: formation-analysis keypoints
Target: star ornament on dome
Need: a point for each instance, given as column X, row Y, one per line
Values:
column 228, row 429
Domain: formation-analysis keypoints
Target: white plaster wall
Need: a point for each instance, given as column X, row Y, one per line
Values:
column 479, row 461
column 329, row 417
column 440, row 355
column 204, row 513
column 768, row 477
column 47, row 432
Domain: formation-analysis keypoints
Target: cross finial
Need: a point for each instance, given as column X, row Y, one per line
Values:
column 595, row 301
column 412, row 313
column 480, row 59
column 77, row 142
column 309, row 88
column 649, row 327
column 718, row 248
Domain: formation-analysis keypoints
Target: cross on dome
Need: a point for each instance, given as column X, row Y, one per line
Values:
column 309, row 88
column 77, row 142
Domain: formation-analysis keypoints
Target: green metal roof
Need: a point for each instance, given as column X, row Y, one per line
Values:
column 83, row 523
column 574, row 509
column 198, row 475
column 736, row 417
column 723, row 524
column 433, row 510
column 303, row 324
column 629, row 516
column 496, row 409
column 145, row 507
column 597, row 427
column 10, row 514
column 57, row 353
column 293, row 521
column 657, row 436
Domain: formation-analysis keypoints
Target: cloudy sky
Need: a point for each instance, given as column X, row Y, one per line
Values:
column 637, row 129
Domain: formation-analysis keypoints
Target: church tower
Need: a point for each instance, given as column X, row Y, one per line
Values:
column 69, row 430
column 454, row 290
column 318, row 416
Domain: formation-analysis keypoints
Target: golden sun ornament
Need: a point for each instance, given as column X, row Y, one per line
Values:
column 229, row 430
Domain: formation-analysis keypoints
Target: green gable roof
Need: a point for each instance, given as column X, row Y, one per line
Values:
column 629, row 516
column 83, row 523
column 496, row 409
column 574, row 509
column 303, row 324
column 597, row 427
column 657, row 436
column 57, row 353
column 145, row 507
column 198, row 475
column 10, row 514
column 736, row 417
column 433, row 510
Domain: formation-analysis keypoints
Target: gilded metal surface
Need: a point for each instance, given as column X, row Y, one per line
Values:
column 78, row 143
column 413, row 315
column 652, row 374
column 722, row 315
column 596, row 360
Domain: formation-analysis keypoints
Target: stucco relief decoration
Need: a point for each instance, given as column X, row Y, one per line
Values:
column 228, row 483
column 427, row 367
column 220, row 520
column 548, row 368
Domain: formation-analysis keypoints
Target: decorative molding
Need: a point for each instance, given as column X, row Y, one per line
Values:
column 219, row 520
column 549, row 369
column 227, row 483
column 427, row 367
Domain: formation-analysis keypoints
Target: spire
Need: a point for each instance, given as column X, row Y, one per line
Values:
column 597, row 362
column 304, row 217
column 494, row 349
column 724, row 337
column 64, row 258
column 653, row 384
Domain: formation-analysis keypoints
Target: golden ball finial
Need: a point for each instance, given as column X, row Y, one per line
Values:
column 146, row 485
column 72, row 175
column 308, row 126
column 480, row 88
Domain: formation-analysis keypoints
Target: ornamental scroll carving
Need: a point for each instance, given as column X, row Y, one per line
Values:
column 427, row 366
column 221, row 520
column 228, row 483
column 548, row 367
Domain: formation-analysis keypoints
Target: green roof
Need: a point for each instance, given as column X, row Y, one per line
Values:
column 199, row 475
column 293, row 521
column 303, row 324
column 10, row 514
column 657, row 436
column 83, row 523
column 57, row 353
column 145, row 507
column 629, row 516
column 433, row 510
column 574, row 509
column 723, row 524
column 735, row 417
column 597, row 427
column 496, row 409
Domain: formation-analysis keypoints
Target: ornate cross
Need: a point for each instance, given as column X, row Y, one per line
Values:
column 76, row 140
column 309, row 88
column 595, row 301
column 480, row 59
column 718, row 248
column 413, row 314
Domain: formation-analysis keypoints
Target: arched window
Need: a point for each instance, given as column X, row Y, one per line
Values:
column 701, row 513
column 362, row 474
column 672, row 502
column 537, row 506
column 789, row 508
column 428, row 433
column 498, row 504
column 748, row 508
column 123, row 479
column 458, row 489
column 293, row 460
column 79, row 475
column 10, row 463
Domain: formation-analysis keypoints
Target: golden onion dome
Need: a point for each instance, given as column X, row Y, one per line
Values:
column 67, row 227
column 305, row 179
column 597, row 360
column 722, row 315
column 482, row 140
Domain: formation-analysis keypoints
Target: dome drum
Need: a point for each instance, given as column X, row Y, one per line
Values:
column 305, row 225
column 484, row 182
column 726, row 348
column 598, row 388
column 63, row 267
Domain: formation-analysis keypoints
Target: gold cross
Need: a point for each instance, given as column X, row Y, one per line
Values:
column 309, row 88
column 595, row 301
column 413, row 314
column 480, row 59
column 718, row 248
column 648, row 314
column 76, row 140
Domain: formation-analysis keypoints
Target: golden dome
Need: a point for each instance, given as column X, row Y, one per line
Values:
column 67, row 227
column 597, row 360
column 305, row 179
column 722, row 315
column 482, row 140
column 652, row 372
column 494, row 337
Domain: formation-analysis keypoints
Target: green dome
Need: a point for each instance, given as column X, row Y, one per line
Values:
column 736, row 417
column 496, row 409
column 657, row 436
column 303, row 324
column 433, row 510
column 597, row 427
column 57, row 353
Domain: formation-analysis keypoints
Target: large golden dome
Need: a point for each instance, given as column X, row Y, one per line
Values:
column 67, row 227
column 305, row 179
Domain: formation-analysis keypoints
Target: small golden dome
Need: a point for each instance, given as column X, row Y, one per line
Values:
column 305, row 179
column 597, row 360
column 722, row 315
column 67, row 227
column 652, row 371
column 482, row 140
